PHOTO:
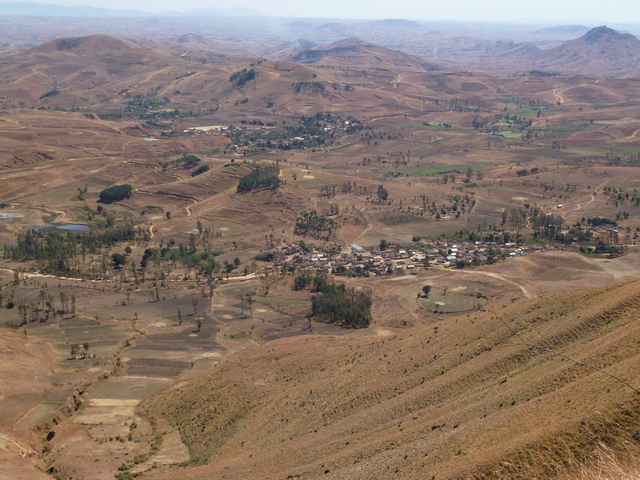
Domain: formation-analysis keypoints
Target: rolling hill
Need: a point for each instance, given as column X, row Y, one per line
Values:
column 89, row 45
column 356, row 52
column 601, row 51
column 480, row 396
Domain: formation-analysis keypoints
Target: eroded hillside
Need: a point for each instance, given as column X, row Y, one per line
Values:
column 478, row 395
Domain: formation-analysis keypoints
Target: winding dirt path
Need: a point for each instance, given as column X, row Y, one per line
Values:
column 502, row 277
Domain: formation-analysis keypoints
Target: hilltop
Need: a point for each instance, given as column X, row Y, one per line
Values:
column 356, row 52
column 601, row 51
column 90, row 45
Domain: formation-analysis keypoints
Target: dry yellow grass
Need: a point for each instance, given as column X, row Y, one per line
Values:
column 462, row 397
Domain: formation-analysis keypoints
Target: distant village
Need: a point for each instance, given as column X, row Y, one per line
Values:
column 398, row 259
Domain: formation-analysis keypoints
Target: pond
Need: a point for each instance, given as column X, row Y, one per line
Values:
column 73, row 227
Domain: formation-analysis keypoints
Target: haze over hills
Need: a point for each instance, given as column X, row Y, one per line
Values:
column 48, row 9
column 601, row 50
column 90, row 45
column 271, row 248
column 355, row 52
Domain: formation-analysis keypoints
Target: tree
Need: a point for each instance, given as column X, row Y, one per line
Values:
column 348, row 307
column 199, row 323
column 383, row 194
column 179, row 317
column 119, row 260
column 426, row 290
column 469, row 173
column 85, row 346
column 115, row 193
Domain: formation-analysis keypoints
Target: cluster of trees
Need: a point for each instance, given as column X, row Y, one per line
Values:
column 242, row 77
column 264, row 176
column 603, row 248
column 44, row 308
column 51, row 93
column 115, row 193
column 55, row 250
column 203, row 262
column 200, row 170
column 524, row 172
column 598, row 221
column 314, row 87
column 78, row 350
column 310, row 223
column 186, row 161
column 346, row 306
column 383, row 193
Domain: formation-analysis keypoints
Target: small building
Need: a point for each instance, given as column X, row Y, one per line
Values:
column 357, row 248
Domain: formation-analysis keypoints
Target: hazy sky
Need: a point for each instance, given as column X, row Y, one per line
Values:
column 572, row 11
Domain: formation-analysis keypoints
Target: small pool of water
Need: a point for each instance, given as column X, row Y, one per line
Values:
column 75, row 228
column 61, row 228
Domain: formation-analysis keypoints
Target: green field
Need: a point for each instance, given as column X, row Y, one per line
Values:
column 433, row 170
column 452, row 302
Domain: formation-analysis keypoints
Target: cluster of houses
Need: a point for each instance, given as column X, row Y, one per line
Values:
column 405, row 257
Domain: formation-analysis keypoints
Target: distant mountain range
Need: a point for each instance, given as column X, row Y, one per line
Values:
column 54, row 10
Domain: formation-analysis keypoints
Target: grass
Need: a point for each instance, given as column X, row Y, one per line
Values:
column 285, row 303
column 431, row 126
column 453, row 302
column 509, row 134
column 13, row 406
column 434, row 170
column 337, row 146
column 443, row 389
column 400, row 219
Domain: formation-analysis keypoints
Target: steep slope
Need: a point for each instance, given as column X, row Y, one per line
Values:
column 601, row 51
column 481, row 396
column 356, row 52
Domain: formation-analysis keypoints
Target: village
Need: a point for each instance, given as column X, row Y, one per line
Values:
column 356, row 260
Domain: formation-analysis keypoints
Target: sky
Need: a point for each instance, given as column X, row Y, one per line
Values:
column 570, row 11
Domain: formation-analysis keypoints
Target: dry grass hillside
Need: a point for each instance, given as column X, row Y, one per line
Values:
column 469, row 397
column 600, row 50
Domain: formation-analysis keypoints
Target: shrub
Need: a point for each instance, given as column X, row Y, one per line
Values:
column 200, row 170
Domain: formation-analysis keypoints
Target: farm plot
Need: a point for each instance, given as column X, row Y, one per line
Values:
column 452, row 303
